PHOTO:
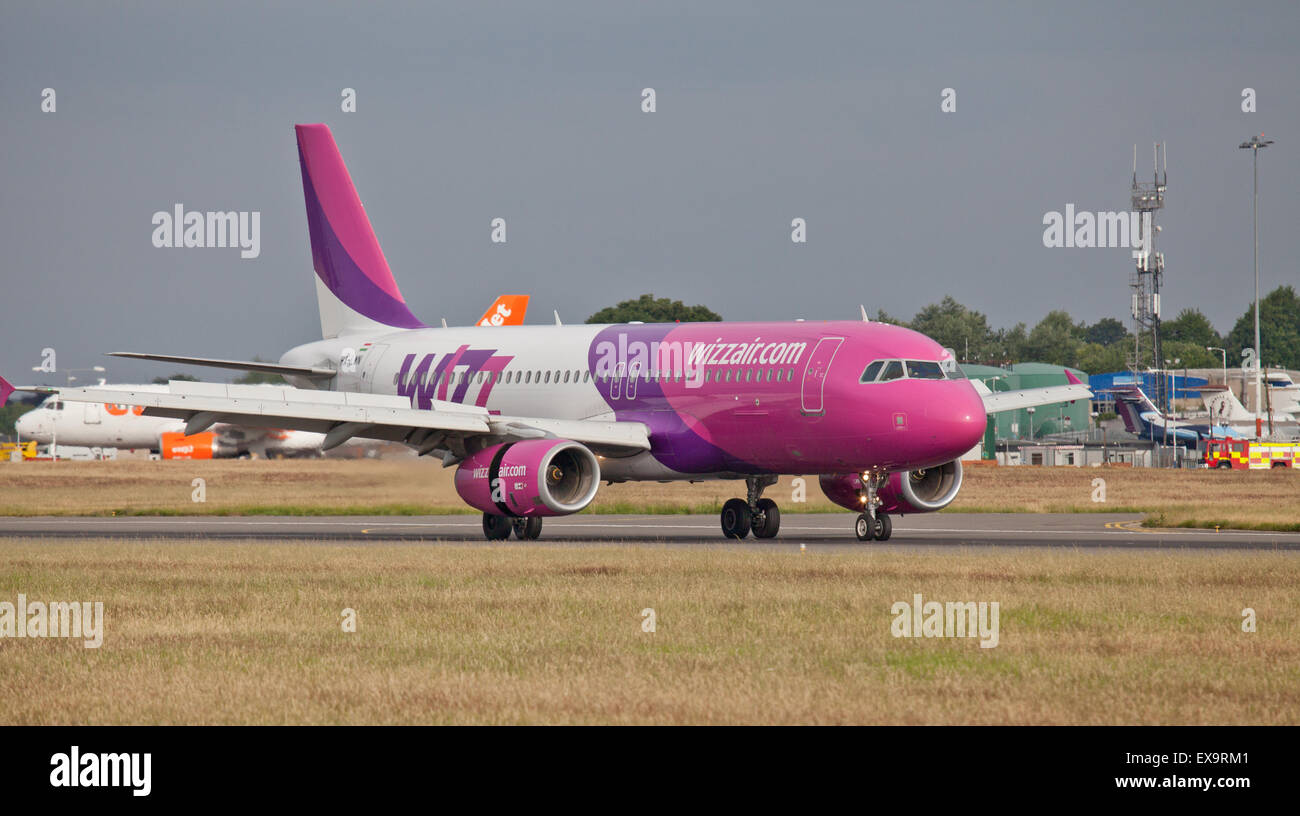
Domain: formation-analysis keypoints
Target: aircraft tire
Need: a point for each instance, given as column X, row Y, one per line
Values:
column 768, row 522
column 528, row 529
column 496, row 528
column 864, row 528
column 737, row 520
column 884, row 526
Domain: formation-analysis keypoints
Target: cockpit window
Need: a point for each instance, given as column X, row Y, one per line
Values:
column 52, row 403
column 888, row 370
column 893, row 371
column 924, row 370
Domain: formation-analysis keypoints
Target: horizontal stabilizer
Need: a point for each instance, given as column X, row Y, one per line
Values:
column 238, row 365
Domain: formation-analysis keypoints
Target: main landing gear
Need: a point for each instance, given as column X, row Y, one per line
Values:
column 874, row 524
column 499, row 528
column 753, row 514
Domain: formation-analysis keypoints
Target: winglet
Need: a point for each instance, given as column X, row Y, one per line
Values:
column 863, row 309
column 5, row 390
column 557, row 318
column 1071, row 379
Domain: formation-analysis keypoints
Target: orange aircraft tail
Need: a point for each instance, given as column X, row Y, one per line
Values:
column 508, row 310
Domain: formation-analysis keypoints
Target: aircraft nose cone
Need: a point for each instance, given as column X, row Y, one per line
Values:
column 959, row 418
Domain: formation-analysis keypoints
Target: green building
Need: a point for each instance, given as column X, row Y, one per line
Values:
column 1061, row 417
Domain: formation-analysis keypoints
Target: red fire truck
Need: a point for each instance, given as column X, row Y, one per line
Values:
column 1243, row 454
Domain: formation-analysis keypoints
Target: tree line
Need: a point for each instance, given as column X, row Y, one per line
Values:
column 1106, row 344
column 1057, row 339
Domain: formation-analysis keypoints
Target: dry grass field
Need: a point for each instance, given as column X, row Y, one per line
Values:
column 250, row 633
column 1260, row 499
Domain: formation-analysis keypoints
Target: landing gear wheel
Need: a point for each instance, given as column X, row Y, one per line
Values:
column 884, row 527
column 736, row 518
column 527, row 529
column 864, row 528
column 496, row 528
column 768, row 520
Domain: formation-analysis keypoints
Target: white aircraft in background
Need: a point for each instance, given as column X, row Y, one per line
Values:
column 1284, row 394
column 1224, row 408
column 109, row 425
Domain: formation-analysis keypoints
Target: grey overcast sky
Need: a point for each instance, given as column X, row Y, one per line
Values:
column 532, row 112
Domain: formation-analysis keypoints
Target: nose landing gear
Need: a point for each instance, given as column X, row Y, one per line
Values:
column 879, row 529
column 874, row 524
column 755, row 514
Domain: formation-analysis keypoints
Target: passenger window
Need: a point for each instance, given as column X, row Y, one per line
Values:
column 872, row 370
column 893, row 371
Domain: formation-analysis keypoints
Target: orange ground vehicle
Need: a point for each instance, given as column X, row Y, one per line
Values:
column 1243, row 454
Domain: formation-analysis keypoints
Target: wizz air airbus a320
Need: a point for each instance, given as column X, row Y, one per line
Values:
column 536, row 417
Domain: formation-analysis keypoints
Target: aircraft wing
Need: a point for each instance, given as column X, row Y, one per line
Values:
column 995, row 401
column 343, row 415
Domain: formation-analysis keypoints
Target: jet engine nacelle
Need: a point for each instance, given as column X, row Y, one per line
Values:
column 913, row 491
column 536, row 477
column 176, row 445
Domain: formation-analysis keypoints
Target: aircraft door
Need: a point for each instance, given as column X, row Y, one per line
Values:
column 91, row 416
column 368, row 365
column 812, row 396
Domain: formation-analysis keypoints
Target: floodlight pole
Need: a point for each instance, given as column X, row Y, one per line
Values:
column 1255, row 143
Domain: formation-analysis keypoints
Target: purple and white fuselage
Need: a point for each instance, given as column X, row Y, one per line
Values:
column 718, row 399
